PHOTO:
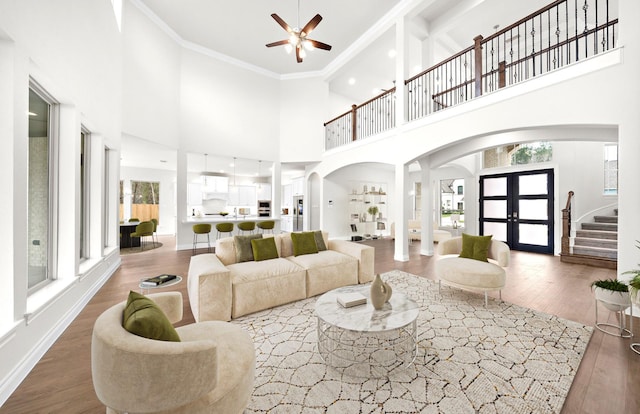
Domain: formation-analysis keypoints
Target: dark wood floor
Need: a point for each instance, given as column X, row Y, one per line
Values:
column 607, row 381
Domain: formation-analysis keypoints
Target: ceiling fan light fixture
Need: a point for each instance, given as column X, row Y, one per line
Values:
column 307, row 45
column 303, row 53
column 288, row 48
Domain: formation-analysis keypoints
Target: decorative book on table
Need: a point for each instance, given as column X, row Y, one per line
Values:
column 158, row 280
column 348, row 300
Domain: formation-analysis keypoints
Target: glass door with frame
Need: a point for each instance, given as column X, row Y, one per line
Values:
column 517, row 208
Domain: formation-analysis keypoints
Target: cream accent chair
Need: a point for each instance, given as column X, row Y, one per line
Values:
column 469, row 273
column 414, row 227
column 211, row 370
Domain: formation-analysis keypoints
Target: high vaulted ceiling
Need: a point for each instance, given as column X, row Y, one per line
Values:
column 361, row 33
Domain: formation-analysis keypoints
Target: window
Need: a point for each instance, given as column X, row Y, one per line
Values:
column 83, row 228
column 507, row 155
column 43, row 112
column 106, row 207
column 145, row 200
column 451, row 201
column 610, row 169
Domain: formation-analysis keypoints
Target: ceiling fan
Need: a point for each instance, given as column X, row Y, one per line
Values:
column 298, row 38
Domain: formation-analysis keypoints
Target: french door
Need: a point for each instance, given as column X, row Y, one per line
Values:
column 517, row 208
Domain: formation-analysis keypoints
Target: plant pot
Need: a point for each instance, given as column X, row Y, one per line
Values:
column 612, row 300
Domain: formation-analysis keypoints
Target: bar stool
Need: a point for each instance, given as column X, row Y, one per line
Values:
column 246, row 226
column 224, row 228
column 266, row 226
column 202, row 228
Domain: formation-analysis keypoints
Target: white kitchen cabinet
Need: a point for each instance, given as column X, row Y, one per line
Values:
column 242, row 195
column 298, row 187
column 287, row 195
column 264, row 192
column 286, row 223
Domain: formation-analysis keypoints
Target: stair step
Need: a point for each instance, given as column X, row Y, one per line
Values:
column 606, row 219
column 596, row 242
column 596, row 252
column 597, row 234
column 600, row 226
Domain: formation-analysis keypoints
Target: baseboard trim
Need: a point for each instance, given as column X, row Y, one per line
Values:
column 24, row 367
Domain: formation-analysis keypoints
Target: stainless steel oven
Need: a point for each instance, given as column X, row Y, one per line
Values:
column 264, row 208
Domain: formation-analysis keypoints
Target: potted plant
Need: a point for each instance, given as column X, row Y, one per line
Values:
column 612, row 293
column 373, row 210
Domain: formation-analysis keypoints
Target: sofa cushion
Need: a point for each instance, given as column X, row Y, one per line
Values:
column 304, row 243
column 327, row 270
column 244, row 250
column 475, row 247
column 143, row 317
column 319, row 240
column 262, row 285
column 470, row 273
column 264, row 249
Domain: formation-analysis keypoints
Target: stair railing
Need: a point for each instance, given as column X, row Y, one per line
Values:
column 566, row 227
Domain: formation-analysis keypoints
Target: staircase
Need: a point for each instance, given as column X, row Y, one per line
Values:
column 596, row 243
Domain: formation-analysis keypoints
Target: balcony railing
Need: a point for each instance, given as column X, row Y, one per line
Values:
column 562, row 33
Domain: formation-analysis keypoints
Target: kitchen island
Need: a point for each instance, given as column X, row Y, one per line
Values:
column 214, row 219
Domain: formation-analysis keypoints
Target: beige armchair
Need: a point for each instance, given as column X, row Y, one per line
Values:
column 211, row 370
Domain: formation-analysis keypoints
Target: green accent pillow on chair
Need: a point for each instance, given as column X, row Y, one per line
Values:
column 304, row 243
column 475, row 247
column 143, row 317
column 264, row 249
column 244, row 251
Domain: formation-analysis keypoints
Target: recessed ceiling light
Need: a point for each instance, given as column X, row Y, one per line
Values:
column 392, row 53
column 32, row 113
column 352, row 81
column 163, row 160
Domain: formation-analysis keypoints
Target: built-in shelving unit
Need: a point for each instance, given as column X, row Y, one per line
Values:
column 368, row 209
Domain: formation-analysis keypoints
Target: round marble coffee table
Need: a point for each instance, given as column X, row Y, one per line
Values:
column 363, row 342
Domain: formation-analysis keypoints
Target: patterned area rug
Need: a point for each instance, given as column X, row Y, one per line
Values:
column 471, row 359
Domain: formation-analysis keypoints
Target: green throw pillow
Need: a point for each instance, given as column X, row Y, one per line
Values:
column 475, row 247
column 143, row 317
column 264, row 249
column 244, row 252
column 304, row 243
column 319, row 240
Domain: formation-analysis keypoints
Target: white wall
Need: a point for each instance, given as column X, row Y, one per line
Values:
column 151, row 80
column 226, row 110
column 303, row 111
column 73, row 50
column 338, row 186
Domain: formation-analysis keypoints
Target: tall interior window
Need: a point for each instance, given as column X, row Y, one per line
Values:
column 610, row 169
column 84, row 195
column 42, row 115
column 106, row 210
column 452, row 202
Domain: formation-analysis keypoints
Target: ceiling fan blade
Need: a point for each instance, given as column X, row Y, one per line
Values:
column 278, row 43
column 298, row 57
column 311, row 25
column 281, row 22
column 319, row 45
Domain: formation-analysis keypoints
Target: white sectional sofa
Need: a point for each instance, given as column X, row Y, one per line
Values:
column 221, row 288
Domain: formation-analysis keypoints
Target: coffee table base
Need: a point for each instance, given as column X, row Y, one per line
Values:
column 367, row 354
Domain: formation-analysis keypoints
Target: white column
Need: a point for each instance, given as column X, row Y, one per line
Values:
column 402, row 213
column 183, row 237
column 426, row 205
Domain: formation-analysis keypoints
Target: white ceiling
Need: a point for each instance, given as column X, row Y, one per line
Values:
column 361, row 33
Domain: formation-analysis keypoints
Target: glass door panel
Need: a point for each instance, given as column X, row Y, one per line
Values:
column 533, row 184
column 536, row 234
column 533, row 210
column 497, row 230
column 495, row 187
column 495, row 209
